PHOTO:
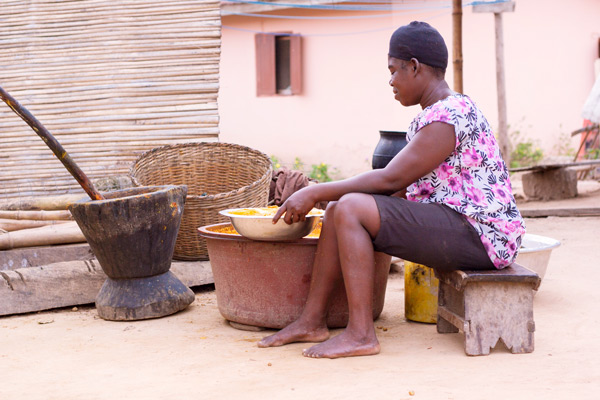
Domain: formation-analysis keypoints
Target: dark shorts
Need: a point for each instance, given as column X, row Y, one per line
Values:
column 430, row 234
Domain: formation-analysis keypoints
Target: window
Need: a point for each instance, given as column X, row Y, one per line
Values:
column 278, row 64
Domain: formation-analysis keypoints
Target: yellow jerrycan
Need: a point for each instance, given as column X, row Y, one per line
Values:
column 420, row 293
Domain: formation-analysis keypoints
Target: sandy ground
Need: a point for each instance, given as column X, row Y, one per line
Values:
column 73, row 354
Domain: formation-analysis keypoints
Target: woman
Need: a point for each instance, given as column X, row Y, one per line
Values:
column 444, row 201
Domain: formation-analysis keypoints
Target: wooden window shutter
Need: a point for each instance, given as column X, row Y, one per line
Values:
column 296, row 64
column 265, row 64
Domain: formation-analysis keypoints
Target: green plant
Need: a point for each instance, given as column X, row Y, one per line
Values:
column 298, row 164
column 320, row 172
column 275, row 162
column 563, row 146
column 592, row 154
column 525, row 153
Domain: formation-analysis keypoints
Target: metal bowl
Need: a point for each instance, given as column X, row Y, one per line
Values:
column 534, row 253
column 259, row 227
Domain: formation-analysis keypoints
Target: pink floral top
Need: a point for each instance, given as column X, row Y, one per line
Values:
column 473, row 180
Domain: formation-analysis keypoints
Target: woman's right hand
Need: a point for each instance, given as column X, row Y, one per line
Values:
column 296, row 206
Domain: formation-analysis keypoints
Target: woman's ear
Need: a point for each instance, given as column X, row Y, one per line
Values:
column 415, row 64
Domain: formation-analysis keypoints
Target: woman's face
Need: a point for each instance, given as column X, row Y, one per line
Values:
column 402, row 81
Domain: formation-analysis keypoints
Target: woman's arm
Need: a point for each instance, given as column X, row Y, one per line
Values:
column 427, row 150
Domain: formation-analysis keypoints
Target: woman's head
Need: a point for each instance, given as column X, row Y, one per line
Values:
column 417, row 61
column 421, row 41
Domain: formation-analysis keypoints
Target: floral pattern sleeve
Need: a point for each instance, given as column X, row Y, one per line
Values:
column 473, row 180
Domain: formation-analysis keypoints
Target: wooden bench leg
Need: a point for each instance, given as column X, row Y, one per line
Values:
column 448, row 299
column 444, row 326
column 498, row 311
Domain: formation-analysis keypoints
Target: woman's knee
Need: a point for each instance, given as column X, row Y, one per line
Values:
column 330, row 210
column 354, row 203
column 358, row 207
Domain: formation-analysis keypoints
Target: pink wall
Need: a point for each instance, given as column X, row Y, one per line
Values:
column 550, row 47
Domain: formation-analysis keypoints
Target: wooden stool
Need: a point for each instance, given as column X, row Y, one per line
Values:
column 489, row 306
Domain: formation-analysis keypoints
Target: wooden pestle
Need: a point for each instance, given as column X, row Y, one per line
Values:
column 54, row 145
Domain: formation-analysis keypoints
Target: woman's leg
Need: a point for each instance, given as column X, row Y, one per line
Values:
column 311, row 326
column 357, row 222
column 430, row 234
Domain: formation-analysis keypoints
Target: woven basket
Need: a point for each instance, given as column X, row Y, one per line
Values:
column 218, row 176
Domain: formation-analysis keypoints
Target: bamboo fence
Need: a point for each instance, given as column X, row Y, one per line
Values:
column 109, row 79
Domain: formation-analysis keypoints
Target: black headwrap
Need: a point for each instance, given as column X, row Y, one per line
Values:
column 421, row 41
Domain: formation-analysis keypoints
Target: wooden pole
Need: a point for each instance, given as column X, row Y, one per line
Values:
column 53, row 144
column 504, row 140
column 457, row 57
column 498, row 9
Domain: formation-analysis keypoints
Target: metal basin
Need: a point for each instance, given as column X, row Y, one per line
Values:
column 535, row 253
column 261, row 227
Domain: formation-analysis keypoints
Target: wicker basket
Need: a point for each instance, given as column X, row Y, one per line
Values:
column 218, row 176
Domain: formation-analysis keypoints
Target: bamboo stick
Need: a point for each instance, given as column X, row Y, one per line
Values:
column 123, row 5
column 99, row 47
column 42, row 215
column 123, row 157
column 195, row 37
column 53, row 17
column 48, row 203
column 11, row 225
column 173, row 75
column 201, row 70
column 34, row 189
column 98, row 66
column 67, row 232
column 123, row 89
column 192, row 17
column 208, row 87
column 140, row 142
column 150, row 8
column 139, row 118
column 157, row 105
column 203, row 100
column 81, row 33
column 58, row 20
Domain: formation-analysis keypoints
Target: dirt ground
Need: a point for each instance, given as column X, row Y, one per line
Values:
column 73, row 354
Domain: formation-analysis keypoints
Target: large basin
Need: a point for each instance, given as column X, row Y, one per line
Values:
column 265, row 283
column 535, row 252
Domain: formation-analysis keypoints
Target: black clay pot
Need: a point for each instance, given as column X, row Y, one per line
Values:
column 390, row 143
column 132, row 234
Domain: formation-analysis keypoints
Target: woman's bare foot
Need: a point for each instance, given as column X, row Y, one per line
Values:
column 344, row 345
column 295, row 332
